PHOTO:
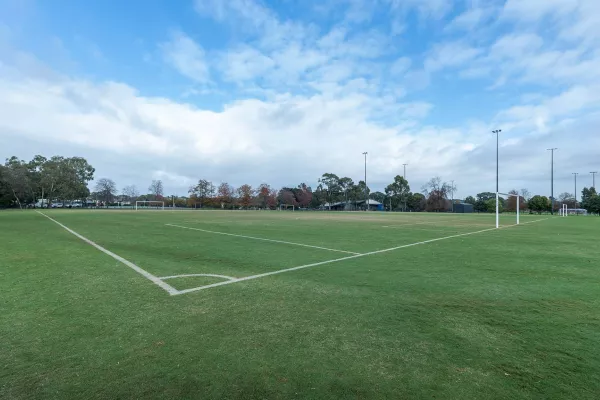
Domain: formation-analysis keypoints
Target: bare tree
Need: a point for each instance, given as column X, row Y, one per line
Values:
column 130, row 192
column 437, row 192
column 106, row 189
column 525, row 194
column 156, row 189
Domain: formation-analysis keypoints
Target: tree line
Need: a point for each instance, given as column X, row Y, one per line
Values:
column 58, row 179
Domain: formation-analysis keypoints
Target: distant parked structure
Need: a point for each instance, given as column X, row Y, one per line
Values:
column 463, row 208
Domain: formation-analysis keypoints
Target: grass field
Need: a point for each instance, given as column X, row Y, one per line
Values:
column 467, row 312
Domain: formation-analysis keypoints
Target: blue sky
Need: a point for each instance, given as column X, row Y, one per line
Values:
column 250, row 91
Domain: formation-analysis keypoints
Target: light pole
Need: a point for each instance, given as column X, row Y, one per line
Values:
column 552, row 178
column 366, row 190
column 497, row 132
column 404, row 176
column 575, row 175
column 452, row 196
column 593, row 179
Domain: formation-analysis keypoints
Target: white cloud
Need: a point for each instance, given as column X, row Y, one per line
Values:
column 450, row 54
column 186, row 56
column 245, row 63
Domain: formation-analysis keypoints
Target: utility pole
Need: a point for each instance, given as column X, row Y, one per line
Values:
column 552, row 179
column 366, row 189
column 497, row 132
column 575, row 175
column 593, row 179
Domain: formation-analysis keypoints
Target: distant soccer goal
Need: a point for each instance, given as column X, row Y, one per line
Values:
column 149, row 205
column 287, row 207
column 498, row 206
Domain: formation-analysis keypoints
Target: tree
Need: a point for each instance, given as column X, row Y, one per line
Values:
column 538, row 204
column 416, row 202
column 330, row 186
column 345, row 184
column 378, row 196
column 16, row 180
column 568, row 199
column 156, row 189
column 202, row 191
column 225, row 195
column 511, row 202
column 106, row 190
column 245, row 194
column 286, row 197
column 470, row 200
column 490, row 205
column 398, row 191
column 437, row 192
column 304, row 195
column 263, row 193
column 525, row 194
column 130, row 193
column 590, row 200
column 482, row 199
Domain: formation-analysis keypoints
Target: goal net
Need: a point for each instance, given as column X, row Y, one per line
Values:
column 287, row 207
column 150, row 205
column 564, row 211
column 498, row 206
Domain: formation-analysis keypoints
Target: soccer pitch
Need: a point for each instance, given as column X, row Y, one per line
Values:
column 105, row 304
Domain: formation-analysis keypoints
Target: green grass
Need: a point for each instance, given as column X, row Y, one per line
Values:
column 508, row 314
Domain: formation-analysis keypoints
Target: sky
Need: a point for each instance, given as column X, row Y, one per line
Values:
column 282, row 91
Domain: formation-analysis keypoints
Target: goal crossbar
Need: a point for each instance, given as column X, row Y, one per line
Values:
column 498, row 206
column 141, row 203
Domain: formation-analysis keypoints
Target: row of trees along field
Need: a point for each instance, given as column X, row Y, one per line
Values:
column 58, row 179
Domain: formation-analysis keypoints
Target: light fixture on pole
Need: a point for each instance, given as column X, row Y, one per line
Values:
column 552, row 178
column 497, row 132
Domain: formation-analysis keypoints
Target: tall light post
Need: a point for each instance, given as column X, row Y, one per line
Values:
column 593, row 179
column 366, row 190
column 575, row 175
column 404, row 176
column 497, row 132
column 452, row 196
column 552, row 178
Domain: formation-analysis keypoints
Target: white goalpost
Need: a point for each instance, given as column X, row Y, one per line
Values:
column 498, row 206
column 565, row 211
column 286, row 207
column 157, row 205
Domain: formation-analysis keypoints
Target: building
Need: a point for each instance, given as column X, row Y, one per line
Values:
column 463, row 208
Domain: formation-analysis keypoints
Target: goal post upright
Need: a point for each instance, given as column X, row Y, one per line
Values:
column 497, row 207
column 497, row 210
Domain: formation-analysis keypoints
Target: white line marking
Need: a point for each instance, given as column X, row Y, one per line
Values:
column 191, row 275
column 266, row 240
column 247, row 278
column 170, row 289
